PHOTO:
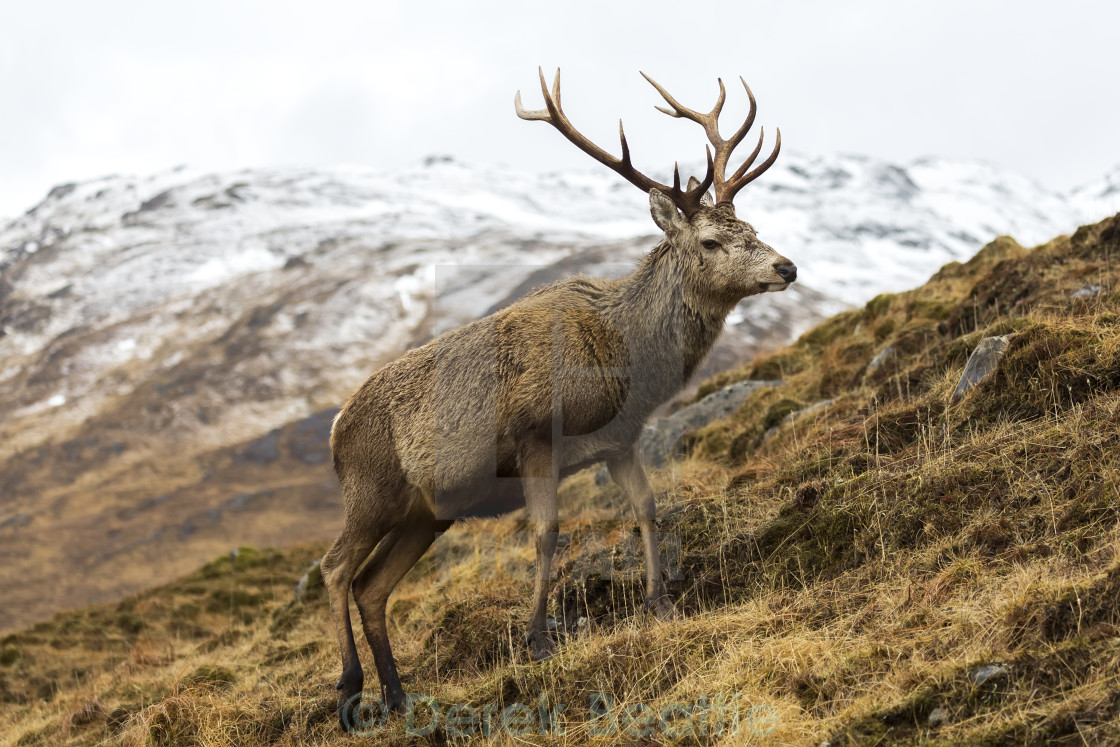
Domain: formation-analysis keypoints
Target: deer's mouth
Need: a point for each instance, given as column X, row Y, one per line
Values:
column 775, row 287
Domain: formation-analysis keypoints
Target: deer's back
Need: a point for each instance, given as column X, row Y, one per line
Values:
column 451, row 414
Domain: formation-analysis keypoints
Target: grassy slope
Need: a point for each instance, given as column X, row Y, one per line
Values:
column 134, row 511
column 848, row 574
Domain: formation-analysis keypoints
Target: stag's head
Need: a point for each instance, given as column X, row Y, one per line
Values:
column 721, row 253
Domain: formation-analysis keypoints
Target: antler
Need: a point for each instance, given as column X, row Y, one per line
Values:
column 726, row 189
column 688, row 201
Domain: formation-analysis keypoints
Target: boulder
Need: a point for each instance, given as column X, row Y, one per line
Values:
column 986, row 674
column 660, row 439
column 310, row 583
column 881, row 358
column 981, row 363
column 1087, row 291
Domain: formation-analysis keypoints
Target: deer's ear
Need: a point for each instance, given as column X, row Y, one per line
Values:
column 664, row 213
column 707, row 200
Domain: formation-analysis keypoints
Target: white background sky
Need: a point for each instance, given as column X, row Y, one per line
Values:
column 116, row 86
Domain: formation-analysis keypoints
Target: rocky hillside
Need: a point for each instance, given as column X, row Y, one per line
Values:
column 171, row 346
column 863, row 554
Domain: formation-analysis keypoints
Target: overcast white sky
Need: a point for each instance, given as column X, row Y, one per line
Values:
column 118, row 86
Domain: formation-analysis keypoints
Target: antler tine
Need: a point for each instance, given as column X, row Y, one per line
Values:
column 714, row 113
column 555, row 86
column 769, row 161
column 551, row 101
column 687, row 200
column 750, row 159
column 746, row 126
column 541, row 114
column 678, row 110
column 707, row 121
column 725, row 188
column 544, row 115
column 625, row 145
column 739, row 183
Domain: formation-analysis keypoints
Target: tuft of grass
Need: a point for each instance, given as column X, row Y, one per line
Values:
column 208, row 676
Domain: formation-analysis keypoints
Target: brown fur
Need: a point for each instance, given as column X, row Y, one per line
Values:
column 488, row 418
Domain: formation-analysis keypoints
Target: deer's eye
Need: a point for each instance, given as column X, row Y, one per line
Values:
column 710, row 244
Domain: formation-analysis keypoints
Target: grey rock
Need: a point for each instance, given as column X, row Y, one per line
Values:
column 660, row 438
column 987, row 673
column 881, row 358
column 310, row 582
column 981, row 363
column 1087, row 291
column 60, row 191
column 938, row 716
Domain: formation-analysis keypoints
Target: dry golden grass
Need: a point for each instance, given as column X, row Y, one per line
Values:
column 844, row 577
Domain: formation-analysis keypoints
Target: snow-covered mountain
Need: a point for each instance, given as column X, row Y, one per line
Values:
column 146, row 322
column 1100, row 197
column 107, row 282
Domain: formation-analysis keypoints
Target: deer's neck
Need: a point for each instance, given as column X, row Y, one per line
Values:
column 669, row 328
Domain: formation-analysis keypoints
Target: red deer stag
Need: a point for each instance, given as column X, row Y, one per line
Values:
column 488, row 418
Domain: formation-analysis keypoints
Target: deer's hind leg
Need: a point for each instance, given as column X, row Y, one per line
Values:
column 395, row 555
column 368, row 519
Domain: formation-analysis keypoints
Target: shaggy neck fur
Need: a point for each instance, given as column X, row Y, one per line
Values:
column 668, row 326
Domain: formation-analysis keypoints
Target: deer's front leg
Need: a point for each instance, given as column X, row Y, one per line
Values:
column 628, row 473
column 540, row 482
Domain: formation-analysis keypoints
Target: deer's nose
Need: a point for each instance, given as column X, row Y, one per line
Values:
column 788, row 273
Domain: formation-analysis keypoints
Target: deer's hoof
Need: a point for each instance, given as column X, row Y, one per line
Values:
column 349, row 696
column 541, row 647
column 396, row 704
column 348, row 706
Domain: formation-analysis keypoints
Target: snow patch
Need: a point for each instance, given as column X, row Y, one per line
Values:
column 414, row 290
column 221, row 269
